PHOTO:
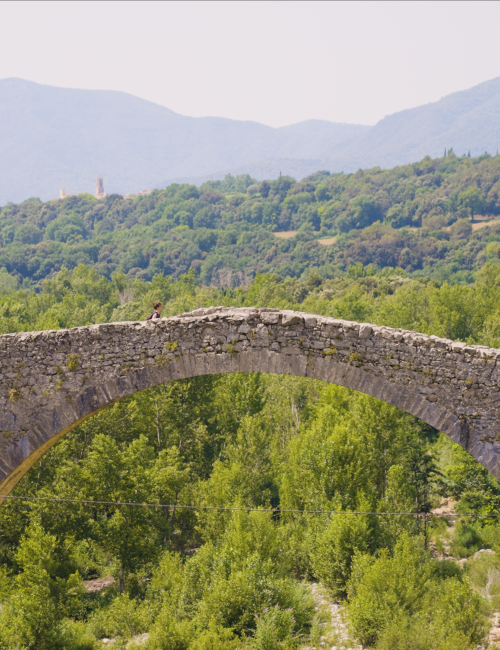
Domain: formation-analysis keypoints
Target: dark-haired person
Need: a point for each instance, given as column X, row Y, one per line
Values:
column 157, row 306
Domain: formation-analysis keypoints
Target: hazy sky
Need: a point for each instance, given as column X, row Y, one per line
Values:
column 273, row 62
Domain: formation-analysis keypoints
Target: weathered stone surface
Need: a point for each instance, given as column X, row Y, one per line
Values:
column 51, row 381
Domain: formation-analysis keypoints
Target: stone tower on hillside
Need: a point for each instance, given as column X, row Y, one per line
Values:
column 99, row 189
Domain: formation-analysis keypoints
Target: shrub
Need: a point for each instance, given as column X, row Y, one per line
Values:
column 335, row 549
column 466, row 540
column 275, row 631
column 395, row 600
column 42, row 595
column 416, row 634
column 75, row 635
column 121, row 619
column 168, row 633
column 216, row 638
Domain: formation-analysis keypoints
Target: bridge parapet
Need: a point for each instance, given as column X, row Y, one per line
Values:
column 51, row 381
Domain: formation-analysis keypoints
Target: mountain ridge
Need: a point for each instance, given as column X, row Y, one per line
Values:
column 52, row 138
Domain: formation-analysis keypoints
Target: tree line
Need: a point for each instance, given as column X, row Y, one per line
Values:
column 415, row 217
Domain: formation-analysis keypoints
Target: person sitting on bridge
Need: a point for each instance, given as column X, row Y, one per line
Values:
column 157, row 306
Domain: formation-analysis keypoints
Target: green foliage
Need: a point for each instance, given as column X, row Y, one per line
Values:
column 121, row 619
column 214, row 638
column 466, row 540
column 239, row 579
column 274, row 630
column 396, row 600
column 222, row 230
column 43, row 595
column 68, row 228
column 169, row 633
column 472, row 484
column 335, row 548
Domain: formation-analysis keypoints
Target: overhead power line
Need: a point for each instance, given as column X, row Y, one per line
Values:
column 244, row 509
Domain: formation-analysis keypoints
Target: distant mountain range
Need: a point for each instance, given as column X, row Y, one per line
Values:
column 53, row 138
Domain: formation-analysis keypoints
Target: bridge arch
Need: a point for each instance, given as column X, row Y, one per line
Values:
column 51, row 381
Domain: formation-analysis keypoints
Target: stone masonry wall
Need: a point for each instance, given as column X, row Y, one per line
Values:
column 50, row 381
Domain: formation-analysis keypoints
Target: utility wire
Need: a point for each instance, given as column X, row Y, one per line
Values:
column 273, row 510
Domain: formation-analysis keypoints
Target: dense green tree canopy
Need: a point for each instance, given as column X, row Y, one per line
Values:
column 400, row 218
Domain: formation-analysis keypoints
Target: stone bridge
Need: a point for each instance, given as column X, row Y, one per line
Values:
column 51, row 381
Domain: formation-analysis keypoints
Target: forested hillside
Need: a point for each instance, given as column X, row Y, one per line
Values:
column 414, row 218
column 86, row 576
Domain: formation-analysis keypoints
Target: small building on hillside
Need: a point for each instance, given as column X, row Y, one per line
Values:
column 141, row 193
